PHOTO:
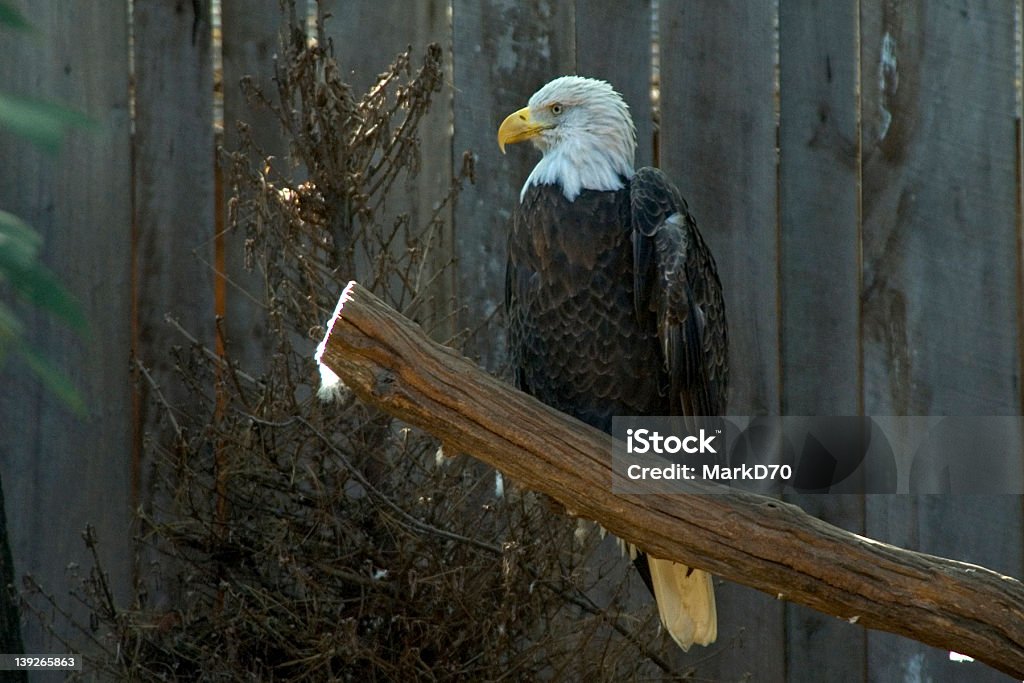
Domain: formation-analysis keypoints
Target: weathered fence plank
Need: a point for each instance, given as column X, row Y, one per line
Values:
column 363, row 53
column 820, row 278
column 939, row 197
column 249, row 39
column 613, row 42
column 503, row 51
column 818, row 167
column 61, row 471
column 939, row 222
column 174, row 197
column 717, row 142
column 718, row 145
column 416, row 25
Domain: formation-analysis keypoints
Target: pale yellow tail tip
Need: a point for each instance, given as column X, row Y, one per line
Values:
column 686, row 603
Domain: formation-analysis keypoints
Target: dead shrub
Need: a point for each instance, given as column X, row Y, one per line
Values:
column 294, row 540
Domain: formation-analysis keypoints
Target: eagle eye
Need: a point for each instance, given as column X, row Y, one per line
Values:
column 556, row 108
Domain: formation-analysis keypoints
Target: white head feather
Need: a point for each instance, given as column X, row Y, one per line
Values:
column 591, row 142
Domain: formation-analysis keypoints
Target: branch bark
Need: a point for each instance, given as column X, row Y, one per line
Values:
column 760, row 542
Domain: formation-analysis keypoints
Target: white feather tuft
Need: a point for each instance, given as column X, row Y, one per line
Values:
column 331, row 386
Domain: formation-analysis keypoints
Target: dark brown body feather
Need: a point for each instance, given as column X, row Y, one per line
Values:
column 614, row 304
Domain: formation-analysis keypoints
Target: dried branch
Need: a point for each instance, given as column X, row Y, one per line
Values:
column 757, row 541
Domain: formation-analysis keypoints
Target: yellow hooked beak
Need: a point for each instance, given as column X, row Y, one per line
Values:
column 519, row 126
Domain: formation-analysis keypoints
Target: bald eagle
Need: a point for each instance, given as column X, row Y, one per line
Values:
column 613, row 300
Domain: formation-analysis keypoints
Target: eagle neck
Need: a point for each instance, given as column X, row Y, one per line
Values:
column 580, row 167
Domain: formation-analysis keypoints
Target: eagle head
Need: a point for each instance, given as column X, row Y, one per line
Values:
column 584, row 130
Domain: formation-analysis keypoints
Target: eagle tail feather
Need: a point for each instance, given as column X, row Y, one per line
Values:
column 686, row 602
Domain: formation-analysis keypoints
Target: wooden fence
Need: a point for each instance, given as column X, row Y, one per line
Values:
column 855, row 166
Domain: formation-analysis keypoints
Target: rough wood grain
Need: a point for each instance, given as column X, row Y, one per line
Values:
column 820, row 279
column 760, row 542
column 939, row 310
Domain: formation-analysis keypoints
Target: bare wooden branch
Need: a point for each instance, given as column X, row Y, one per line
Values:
column 753, row 540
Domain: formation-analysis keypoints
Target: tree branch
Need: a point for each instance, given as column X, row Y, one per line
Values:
column 760, row 542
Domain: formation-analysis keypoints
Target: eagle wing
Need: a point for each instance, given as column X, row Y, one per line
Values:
column 676, row 285
column 676, row 280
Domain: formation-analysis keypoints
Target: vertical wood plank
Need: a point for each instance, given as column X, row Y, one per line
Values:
column 249, row 39
column 361, row 56
column 820, row 239
column 939, row 223
column 939, row 316
column 820, row 278
column 61, row 471
column 717, row 142
column 613, row 43
column 718, row 145
column 503, row 51
column 174, row 202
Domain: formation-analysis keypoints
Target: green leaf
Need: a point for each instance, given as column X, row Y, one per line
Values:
column 18, row 238
column 40, row 288
column 10, row 328
column 52, row 378
column 12, row 18
column 41, row 123
column 19, row 249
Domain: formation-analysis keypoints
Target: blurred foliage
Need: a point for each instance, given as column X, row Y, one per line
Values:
column 44, row 125
column 10, row 17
